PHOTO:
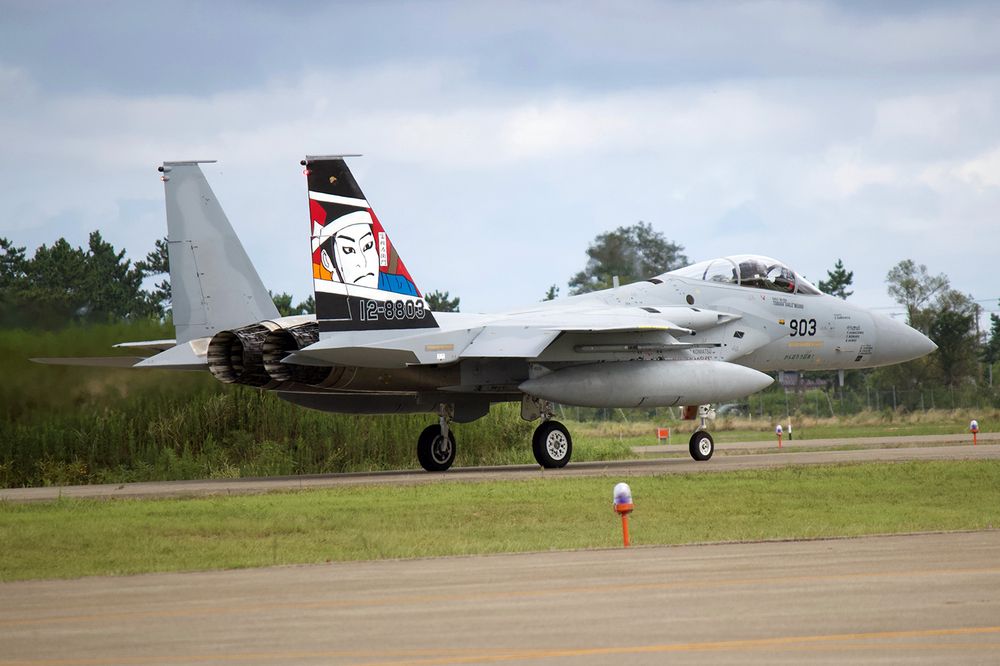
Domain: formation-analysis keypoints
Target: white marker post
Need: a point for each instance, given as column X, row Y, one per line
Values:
column 623, row 506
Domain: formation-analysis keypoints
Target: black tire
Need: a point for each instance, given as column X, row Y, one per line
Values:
column 701, row 446
column 434, row 453
column 552, row 445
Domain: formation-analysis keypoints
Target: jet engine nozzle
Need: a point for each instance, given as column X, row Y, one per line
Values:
column 280, row 343
column 235, row 357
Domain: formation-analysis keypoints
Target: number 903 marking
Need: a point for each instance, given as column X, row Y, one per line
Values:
column 802, row 327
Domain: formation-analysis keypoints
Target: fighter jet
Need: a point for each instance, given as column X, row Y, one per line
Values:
column 699, row 335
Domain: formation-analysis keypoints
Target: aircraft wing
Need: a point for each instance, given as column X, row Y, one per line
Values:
column 610, row 320
column 514, row 335
column 527, row 336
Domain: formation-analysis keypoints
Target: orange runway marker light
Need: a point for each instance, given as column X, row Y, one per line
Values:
column 623, row 505
column 777, row 431
column 974, row 429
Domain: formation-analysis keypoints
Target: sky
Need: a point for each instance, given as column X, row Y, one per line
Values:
column 499, row 138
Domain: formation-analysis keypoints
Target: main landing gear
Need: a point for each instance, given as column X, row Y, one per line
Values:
column 436, row 444
column 552, row 445
column 551, row 442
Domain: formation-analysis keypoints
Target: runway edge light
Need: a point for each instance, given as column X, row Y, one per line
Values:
column 622, row 497
column 974, row 429
column 777, row 431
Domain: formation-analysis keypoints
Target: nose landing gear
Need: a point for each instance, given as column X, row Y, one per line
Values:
column 701, row 445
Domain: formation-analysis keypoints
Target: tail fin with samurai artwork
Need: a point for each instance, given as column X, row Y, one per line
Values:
column 359, row 279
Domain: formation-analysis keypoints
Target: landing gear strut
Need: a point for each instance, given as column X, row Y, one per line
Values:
column 436, row 444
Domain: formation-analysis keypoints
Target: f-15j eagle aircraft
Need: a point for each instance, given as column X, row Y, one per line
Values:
column 694, row 336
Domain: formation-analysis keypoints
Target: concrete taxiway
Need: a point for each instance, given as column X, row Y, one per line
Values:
column 931, row 598
column 730, row 457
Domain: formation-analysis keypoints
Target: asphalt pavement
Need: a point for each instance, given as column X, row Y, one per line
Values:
column 922, row 599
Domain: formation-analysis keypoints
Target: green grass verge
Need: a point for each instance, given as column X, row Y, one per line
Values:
column 71, row 538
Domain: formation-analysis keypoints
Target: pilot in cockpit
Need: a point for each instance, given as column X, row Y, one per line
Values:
column 781, row 278
column 752, row 273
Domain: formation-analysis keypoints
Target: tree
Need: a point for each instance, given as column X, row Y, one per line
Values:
column 837, row 282
column 991, row 350
column 913, row 287
column 307, row 306
column 12, row 264
column 51, row 291
column 157, row 262
column 632, row 253
column 283, row 302
column 952, row 328
column 438, row 301
column 112, row 288
column 552, row 293
column 947, row 316
column 12, row 267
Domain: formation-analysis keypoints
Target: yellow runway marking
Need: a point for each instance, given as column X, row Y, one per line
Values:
column 785, row 642
column 613, row 588
column 442, row 657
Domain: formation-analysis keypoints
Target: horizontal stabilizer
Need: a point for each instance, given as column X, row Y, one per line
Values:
column 190, row 355
column 93, row 361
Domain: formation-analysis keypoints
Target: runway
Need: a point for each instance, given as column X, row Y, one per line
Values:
column 919, row 598
column 729, row 457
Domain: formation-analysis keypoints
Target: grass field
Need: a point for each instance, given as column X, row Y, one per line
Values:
column 71, row 538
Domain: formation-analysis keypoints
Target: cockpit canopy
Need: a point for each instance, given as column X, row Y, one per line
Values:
column 749, row 270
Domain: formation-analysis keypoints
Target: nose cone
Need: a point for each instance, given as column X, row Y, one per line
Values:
column 898, row 343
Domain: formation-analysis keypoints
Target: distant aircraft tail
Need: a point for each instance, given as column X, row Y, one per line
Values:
column 359, row 279
column 213, row 284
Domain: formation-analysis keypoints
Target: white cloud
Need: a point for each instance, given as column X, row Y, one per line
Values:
column 786, row 146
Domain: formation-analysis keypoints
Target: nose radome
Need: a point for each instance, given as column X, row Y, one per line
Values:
column 898, row 343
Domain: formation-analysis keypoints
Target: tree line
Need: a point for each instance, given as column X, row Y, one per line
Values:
column 62, row 284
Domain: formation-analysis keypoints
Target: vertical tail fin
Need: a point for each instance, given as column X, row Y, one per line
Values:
column 359, row 278
column 213, row 284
